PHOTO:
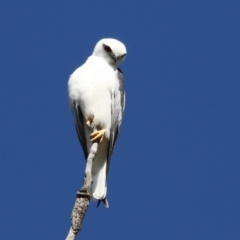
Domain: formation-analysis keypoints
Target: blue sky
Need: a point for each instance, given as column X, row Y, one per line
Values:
column 175, row 171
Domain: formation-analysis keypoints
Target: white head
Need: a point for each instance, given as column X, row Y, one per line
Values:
column 112, row 50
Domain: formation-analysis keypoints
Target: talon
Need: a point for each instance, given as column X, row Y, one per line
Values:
column 90, row 120
column 97, row 136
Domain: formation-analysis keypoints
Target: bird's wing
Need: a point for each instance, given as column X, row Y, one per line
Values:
column 79, row 124
column 117, row 109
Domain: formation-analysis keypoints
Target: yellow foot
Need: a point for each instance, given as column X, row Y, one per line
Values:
column 90, row 120
column 97, row 136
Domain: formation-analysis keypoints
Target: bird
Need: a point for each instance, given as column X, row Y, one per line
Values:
column 97, row 99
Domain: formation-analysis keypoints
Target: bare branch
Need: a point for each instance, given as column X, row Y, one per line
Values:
column 83, row 196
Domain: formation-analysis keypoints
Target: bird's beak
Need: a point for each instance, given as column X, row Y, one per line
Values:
column 115, row 58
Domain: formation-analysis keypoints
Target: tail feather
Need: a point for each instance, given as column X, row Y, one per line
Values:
column 105, row 202
column 99, row 188
column 99, row 176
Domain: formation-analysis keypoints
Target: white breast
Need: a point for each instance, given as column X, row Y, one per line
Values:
column 92, row 85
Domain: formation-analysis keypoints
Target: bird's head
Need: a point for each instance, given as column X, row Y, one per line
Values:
column 112, row 50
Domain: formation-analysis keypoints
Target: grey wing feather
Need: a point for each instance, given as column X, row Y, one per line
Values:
column 121, row 88
column 79, row 125
column 115, row 128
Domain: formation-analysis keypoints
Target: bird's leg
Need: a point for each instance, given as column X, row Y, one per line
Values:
column 90, row 120
column 97, row 136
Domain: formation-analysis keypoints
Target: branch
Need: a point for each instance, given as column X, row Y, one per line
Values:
column 83, row 196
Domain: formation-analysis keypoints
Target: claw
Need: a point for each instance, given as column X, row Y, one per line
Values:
column 90, row 120
column 97, row 136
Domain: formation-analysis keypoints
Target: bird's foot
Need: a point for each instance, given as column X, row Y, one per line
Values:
column 97, row 136
column 90, row 120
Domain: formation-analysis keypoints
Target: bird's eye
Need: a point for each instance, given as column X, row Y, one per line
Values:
column 107, row 48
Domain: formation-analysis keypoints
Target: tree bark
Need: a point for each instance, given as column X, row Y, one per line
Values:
column 83, row 196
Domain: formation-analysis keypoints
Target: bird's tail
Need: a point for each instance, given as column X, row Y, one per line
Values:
column 105, row 202
column 99, row 175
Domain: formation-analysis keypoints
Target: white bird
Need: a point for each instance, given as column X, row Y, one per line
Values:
column 97, row 100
